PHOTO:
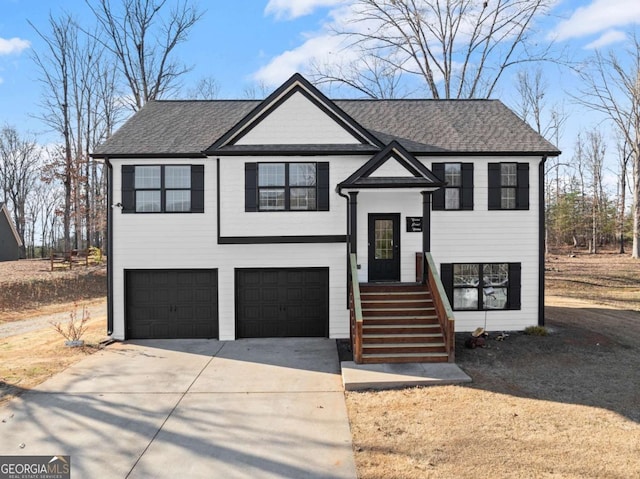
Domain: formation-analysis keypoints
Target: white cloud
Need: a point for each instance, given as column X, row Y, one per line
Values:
column 290, row 9
column 607, row 38
column 1, row 80
column 599, row 16
column 320, row 49
column 13, row 45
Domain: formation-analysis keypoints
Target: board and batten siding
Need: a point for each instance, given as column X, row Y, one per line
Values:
column 184, row 241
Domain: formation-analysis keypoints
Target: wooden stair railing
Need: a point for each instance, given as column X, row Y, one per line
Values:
column 401, row 322
column 355, row 310
column 442, row 305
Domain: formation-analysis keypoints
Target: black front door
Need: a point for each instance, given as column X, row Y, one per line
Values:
column 384, row 247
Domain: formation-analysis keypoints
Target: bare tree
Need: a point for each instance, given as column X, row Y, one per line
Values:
column 595, row 153
column 458, row 48
column 624, row 156
column 612, row 87
column 19, row 167
column 533, row 108
column 207, row 88
column 55, row 70
column 369, row 75
column 142, row 35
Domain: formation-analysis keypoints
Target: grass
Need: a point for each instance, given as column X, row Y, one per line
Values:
column 28, row 359
column 564, row 405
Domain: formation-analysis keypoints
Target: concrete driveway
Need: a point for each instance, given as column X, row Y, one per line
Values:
column 193, row 409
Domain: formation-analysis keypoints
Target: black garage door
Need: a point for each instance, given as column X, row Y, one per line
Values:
column 172, row 303
column 279, row 302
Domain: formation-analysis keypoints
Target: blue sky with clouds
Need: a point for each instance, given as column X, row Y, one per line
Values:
column 245, row 42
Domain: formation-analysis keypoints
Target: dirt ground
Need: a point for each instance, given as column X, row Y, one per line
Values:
column 566, row 405
column 29, row 286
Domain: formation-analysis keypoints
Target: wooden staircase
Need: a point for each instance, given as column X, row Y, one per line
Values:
column 400, row 325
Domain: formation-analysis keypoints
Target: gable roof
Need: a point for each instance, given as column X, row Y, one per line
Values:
column 5, row 212
column 296, row 84
column 417, row 175
column 187, row 128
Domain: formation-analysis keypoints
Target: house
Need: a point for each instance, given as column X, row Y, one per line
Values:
column 299, row 215
column 10, row 242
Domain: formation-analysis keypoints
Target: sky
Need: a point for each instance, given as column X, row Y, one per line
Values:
column 244, row 43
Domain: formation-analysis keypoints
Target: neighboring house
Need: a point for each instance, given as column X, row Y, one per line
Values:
column 10, row 242
column 235, row 218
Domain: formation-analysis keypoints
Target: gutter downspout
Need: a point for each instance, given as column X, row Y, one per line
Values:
column 109, row 246
column 541, row 241
column 348, row 237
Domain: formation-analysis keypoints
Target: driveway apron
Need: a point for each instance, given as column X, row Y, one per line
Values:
column 263, row 408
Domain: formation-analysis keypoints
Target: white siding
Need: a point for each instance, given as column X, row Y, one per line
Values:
column 234, row 221
column 159, row 241
column 391, row 168
column 493, row 236
column 297, row 121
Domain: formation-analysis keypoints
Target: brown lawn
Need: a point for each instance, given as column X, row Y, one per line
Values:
column 562, row 406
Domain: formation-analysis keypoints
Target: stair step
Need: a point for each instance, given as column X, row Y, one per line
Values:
column 414, row 303
column 398, row 295
column 398, row 311
column 394, row 328
column 405, row 338
column 400, row 320
column 392, row 288
column 405, row 358
column 401, row 347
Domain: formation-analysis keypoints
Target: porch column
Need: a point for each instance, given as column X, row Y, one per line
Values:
column 353, row 220
column 426, row 221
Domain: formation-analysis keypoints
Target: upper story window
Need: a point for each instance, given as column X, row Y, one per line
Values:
column 508, row 186
column 458, row 193
column 163, row 188
column 482, row 286
column 287, row 186
column 300, row 186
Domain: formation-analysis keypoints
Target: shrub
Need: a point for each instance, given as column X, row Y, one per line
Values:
column 536, row 331
column 74, row 328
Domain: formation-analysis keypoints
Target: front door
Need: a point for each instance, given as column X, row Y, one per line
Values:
column 384, row 247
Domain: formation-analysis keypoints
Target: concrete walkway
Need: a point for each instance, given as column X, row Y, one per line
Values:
column 192, row 409
column 356, row 377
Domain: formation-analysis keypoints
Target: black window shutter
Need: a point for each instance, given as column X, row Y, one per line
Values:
column 197, row 188
column 515, row 289
column 437, row 197
column 250, row 187
column 466, row 202
column 128, row 189
column 495, row 200
column 446, row 276
column 323, row 186
column 522, row 194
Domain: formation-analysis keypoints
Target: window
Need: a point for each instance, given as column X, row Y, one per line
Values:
column 287, row 186
column 458, row 193
column 482, row 286
column 508, row 186
column 163, row 189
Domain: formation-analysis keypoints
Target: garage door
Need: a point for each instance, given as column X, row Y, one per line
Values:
column 291, row 302
column 172, row 303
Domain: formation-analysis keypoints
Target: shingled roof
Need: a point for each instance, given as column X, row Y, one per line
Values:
column 187, row 128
